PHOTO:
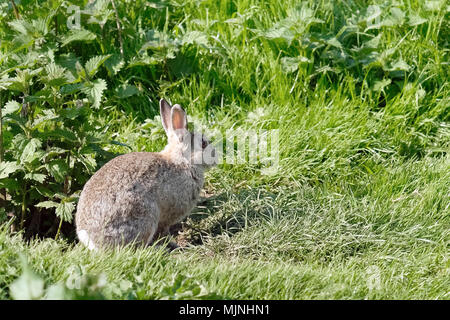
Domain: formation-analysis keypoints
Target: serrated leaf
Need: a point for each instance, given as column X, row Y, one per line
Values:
column 88, row 161
column 58, row 169
column 10, row 107
column 29, row 152
column 5, row 83
column 69, row 61
column 49, row 114
column 94, row 91
column 157, row 40
column 47, row 204
column 64, row 211
column 78, row 35
column 280, row 31
column 20, row 26
column 54, row 151
column 39, row 177
column 8, row 167
column 396, row 17
column 94, row 63
column 62, row 133
column 55, row 75
column 114, row 64
column 43, row 191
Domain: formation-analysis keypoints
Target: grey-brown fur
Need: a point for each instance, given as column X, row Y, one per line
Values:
column 138, row 196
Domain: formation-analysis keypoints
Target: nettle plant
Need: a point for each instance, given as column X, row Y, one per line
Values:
column 51, row 142
column 59, row 82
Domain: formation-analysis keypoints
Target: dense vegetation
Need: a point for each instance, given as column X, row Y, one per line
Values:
column 359, row 91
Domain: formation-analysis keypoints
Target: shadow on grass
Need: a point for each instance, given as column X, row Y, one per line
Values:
column 224, row 213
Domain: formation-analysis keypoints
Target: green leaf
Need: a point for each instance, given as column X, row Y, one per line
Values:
column 62, row 133
column 156, row 40
column 10, row 107
column 195, row 37
column 71, row 88
column 380, row 85
column 47, row 204
column 373, row 12
column 29, row 152
column 397, row 16
column 11, row 185
column 334, row 42
column 117, row 143
column 373, row 43
column 58, row 169
column 64, row 211
column 291, row 64
column 94, row 91
column 399, row 65
column 78, row 35
column 39, row 177
column 49, row 116
column 72, row 113
column 55, row 75
column 280, row 30
column 8, row 167
column 94, row 63
column 5, row 83
column 415, row 20
column 88, row 161
column 114, row 64
column 20, row 26
column 126, row 90
column 44, row 191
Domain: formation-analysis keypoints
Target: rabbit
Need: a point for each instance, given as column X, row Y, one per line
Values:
column 136, row 197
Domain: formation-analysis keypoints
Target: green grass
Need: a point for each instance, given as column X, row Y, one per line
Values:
column 363, row 187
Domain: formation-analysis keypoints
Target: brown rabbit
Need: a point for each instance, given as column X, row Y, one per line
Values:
column 138, row 196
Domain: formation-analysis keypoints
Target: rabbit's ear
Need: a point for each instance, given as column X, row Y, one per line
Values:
column 179, row 119
column 164, row 109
